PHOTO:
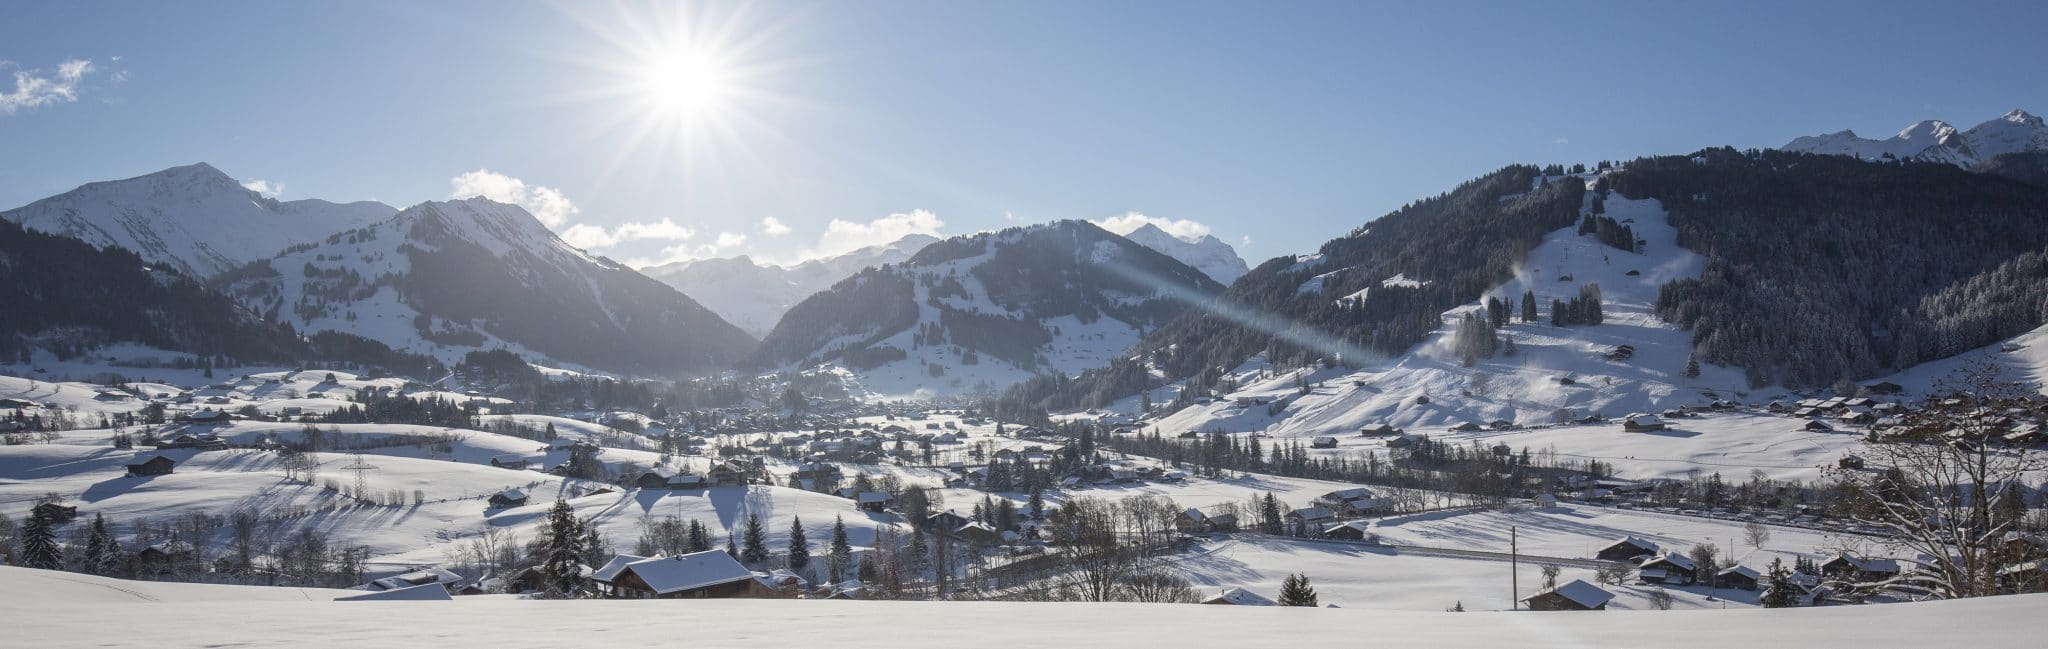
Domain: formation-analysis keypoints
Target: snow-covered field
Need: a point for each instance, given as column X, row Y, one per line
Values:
column 58, row 611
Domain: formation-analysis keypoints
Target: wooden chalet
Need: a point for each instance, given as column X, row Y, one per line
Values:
column 711, row 573
column 1626, row 549
column 1576, row 595
column 152, row 464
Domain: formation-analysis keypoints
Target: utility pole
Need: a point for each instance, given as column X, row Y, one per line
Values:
column 362, row 470
column 1514, row 569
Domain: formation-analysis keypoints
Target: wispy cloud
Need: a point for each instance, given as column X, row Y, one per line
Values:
column 726, row 243
column 1183, row 229
column 266, row 188
column 773, row 227
column 589, row 237
column 1561, row 140
column 843, row 236
column 34, row 88
column 546, row 203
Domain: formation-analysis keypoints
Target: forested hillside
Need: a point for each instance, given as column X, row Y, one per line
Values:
column 1377, row 290
column 68, row 296
column 1826, row 268
column 990, row 308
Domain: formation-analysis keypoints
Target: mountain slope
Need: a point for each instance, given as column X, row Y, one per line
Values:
column 193, row 218
column 1937, row 141
column 1207, row 254
column 754, row 295
column 982, row 311
column 444, row 278
column 72, row 300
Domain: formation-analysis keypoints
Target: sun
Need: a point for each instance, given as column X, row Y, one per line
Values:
column 684, row 84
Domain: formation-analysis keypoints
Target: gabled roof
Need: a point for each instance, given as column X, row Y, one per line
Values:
column 422, row 592
column 611, row 569
column 1674, row 559
column 1239, row 597
column 146, row 459
column 1745, row 571
column 872, row 497
column 1579, row 592
column 1633, row 541
column 688, row 572
column 511, row 494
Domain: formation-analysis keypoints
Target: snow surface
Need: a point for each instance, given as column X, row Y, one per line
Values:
column 60, row 610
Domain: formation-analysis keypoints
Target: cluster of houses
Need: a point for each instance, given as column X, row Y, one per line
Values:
column 697, row 575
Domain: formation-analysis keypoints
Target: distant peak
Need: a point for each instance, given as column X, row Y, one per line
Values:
column 2019, row 116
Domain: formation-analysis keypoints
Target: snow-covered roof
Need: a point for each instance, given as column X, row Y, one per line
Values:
column 611, row 569
column 1580, row 592
column 689, row 571
column 1674, row 559
column 872, row 497
column 1745, row 571
column 1239, row 597
column 511, row 494
column 422, row 592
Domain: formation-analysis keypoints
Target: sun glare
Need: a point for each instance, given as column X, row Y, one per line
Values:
column 684, row 85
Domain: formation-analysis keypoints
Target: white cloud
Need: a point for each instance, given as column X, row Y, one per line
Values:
column 1561, row 140
column 266, row 188
column 32, row 88
column 773, row 227
column 1183, row 229
column 842, row 236
column 546, row 203
column 590, row 237
column 724, row 244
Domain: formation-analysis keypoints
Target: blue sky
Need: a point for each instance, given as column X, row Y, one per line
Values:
column 1273, row 125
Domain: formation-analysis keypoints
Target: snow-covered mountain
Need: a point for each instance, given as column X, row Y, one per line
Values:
column 445, row 278
column 1554, row 368
column 984, row 311
column 1206, row 253
column 1937, row 141
column 193, row 218
column 754, row 295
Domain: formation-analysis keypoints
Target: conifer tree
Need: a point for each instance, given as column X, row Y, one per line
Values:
column 1296, row 591
column 562, row 565
column 699, row 539
column 39, row 543
column 841, row 557
column 100, row 549
column 754, row 548
column 799, row 547
column 1269, row 514
column 1778, row 593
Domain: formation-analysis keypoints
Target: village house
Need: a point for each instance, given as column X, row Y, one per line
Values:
column 1324, row 441
column 1668, row 568
column 508, row 498
column 55, row 513
column 1238, row 597
column 1310, row 520
column 873, row 501
column 1378, row 430
column 1641, row 423
column 602, row 576
column 1859, row 569
column 420, row 575
column 1575, row 595
column 152, row 464
column 204, row 442
column 1742, row 577
column 204, row 416
column 1353, row 531
column 1357, row 501
column 509, row 461
column 711, row 573
column 1627, row 549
